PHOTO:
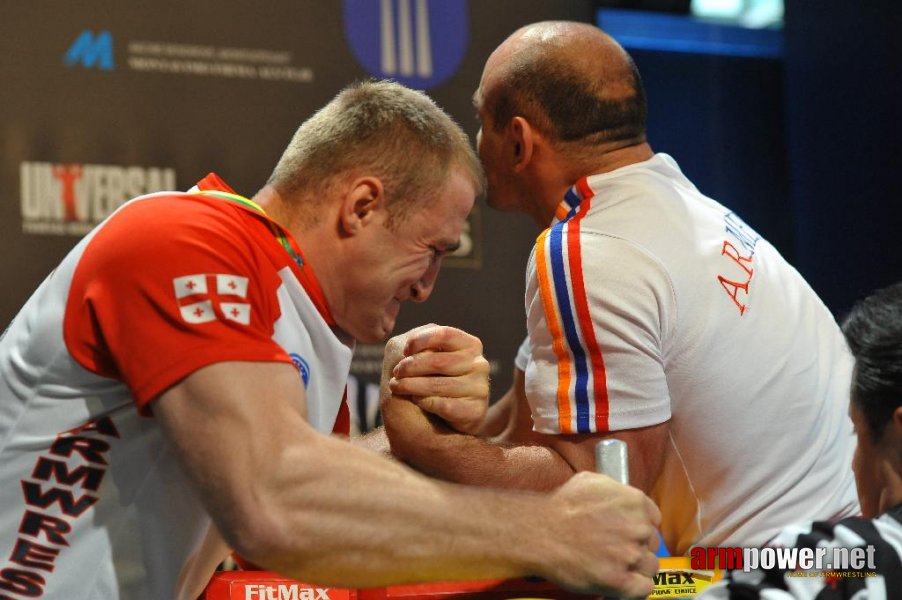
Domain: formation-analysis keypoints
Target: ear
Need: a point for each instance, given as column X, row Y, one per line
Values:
column 891, row 493
column 523, row 139
column 361, row 203
column 892, row 436
column 897, row 417
column 895, row 426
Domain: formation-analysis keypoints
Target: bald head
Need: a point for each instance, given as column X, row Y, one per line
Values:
column 570, row 80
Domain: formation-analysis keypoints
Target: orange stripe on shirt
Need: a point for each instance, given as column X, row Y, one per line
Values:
column 557, row 336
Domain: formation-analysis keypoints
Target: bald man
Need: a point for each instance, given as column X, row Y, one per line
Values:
column 654, row 313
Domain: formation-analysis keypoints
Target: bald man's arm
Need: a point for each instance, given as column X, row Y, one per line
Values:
column 517, row 457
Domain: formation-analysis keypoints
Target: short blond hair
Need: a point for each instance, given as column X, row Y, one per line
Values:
column 379, row 128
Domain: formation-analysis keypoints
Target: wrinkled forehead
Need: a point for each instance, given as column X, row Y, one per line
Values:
column 441, row 221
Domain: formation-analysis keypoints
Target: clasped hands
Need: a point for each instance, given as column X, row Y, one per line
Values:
column 433, row 370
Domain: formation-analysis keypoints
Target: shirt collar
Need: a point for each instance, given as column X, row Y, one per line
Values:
column 578, row 194
column 213, row 185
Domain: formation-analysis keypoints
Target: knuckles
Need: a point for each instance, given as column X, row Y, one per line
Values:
column 394, row 350
column 445, row 337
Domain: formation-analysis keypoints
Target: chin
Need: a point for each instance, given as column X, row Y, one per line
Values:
column 372, row 337
column 387, row 330
column 376, row 334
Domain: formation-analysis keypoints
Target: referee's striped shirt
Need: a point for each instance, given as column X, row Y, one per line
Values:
column 882, row 583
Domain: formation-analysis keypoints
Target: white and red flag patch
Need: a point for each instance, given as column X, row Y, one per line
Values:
column 205, row 302
column 231, row 285
column 190, row 285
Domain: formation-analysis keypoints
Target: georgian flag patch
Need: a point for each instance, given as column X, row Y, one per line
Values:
column 207, row 297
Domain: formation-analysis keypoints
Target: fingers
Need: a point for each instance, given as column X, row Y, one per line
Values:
column 654, row 542
column 628, row 574
column 638, row 585
column 464, row 379
column 623, row 524
column 458, row 394
column 394, row 347
column 463, row 412
column 436, row 350
column 647, row 565
column 642, row 569
column 443, row 372
column 450, row 363
column 419, row 330
column 462, row 387
column 440, row 338
column 464, row 415
column 393, row 352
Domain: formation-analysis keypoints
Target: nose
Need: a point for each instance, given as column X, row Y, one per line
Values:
column 422, row 289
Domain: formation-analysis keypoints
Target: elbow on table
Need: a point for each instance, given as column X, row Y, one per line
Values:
column 271, row 543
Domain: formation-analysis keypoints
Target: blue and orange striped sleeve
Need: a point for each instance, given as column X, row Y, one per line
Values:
column 596, row 335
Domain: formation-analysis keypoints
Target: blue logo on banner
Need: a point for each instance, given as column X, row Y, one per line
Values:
column 419, row 43
column 302, row 366
column 90, row 50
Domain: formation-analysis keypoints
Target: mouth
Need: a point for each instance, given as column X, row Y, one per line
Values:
column 390, row 317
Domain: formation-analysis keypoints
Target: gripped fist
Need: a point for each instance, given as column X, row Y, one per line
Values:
column 608, row 536
column 441, row 370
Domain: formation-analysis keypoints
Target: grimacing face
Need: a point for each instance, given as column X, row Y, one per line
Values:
column 391, row 266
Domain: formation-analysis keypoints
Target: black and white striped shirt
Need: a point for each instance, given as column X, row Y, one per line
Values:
column 882, row 583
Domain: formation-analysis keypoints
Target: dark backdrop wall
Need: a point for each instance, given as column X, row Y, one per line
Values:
column 844, row 84
column 102, row 101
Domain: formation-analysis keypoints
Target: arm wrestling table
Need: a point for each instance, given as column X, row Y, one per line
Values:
column 675, row 580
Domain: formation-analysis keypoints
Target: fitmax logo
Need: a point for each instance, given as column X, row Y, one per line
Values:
column 674, row 578
column 285, row 592
column 91, row 51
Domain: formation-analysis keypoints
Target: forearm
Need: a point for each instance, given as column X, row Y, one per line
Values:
column 320, row 509
column 375, row 522
column 438, row 451
column 484, row 462
column 317, row 508
column 505, row 452
column 355, row 520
